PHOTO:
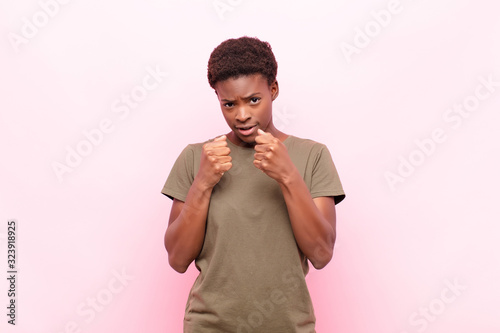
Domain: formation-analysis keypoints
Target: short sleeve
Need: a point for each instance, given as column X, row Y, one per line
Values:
column 181, row 176
column 325, row 179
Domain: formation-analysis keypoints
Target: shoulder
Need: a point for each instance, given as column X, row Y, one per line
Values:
column 306, row 153
column 298, row 145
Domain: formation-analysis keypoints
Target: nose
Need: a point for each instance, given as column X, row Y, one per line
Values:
column 242, row 114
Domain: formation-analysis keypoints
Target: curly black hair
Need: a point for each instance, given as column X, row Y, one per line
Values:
column 241, row 56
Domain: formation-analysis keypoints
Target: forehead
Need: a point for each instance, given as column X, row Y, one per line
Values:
column 241, row 86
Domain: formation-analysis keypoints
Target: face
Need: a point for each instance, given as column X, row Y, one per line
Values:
column 246, row 103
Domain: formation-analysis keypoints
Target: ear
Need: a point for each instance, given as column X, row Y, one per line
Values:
column 275, row 90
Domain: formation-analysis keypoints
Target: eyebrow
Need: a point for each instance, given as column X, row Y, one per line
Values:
column 245, row 98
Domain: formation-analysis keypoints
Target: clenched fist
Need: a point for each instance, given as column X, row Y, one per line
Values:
column 271, row 156
column 215, row 160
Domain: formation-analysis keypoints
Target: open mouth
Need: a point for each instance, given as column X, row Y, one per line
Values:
column 247, row 130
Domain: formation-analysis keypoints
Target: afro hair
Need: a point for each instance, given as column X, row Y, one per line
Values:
column 239, row 57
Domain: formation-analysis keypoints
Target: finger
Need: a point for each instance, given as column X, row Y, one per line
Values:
column 220, row 138
column 218, row 151
column 222, row 168
column 262, row 133
column 260, row 139
column 259, row 156
column 216, row 144
column 213, row 144
column 257, row 164
column 261, row 165
column 226, row 166
column 263, row 147
column 264, row 138
column 224, row 159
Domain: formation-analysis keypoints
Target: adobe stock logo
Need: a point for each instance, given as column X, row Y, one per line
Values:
column 430, row 313
column 281, row 117
column 39, row 20
column 428, row 146
column 223, row 6
column 96, row 303
column 264, row 309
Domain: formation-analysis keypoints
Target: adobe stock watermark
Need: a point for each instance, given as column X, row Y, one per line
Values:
column 281, row 118
column 324, row 251
column 224, row 6
column 364, row 36
column 454, row 117
column 122, row 106
column 421, row 319
column 265, row 309
column 30, row 27
column 96, row 303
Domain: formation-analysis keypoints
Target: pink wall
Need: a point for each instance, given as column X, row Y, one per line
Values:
column 404, row 93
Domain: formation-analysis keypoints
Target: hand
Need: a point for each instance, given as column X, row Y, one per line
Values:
column 272, row 157
column 215, row 160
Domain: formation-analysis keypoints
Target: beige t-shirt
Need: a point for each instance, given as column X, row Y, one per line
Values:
column 252, row 273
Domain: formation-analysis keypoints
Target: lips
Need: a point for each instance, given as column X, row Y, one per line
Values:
column 247, row 130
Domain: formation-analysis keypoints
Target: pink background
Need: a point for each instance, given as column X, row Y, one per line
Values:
column 400, row 248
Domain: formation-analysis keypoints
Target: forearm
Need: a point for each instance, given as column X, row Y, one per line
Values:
column 315, row 235
column 185, row 235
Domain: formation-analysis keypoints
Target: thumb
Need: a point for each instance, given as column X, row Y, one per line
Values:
column 220, row 138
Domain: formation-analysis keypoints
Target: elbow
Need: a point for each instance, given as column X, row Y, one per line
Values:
column 179, row 267
column 321, row 261
column 322, row 254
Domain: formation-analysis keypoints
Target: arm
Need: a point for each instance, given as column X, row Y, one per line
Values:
column 186, row 229
column 312, row 220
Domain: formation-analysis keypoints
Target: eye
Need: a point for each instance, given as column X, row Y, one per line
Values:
column 254, row 100
column 228, row 104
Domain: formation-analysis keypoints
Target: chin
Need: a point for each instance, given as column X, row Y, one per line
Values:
column 249, row 140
